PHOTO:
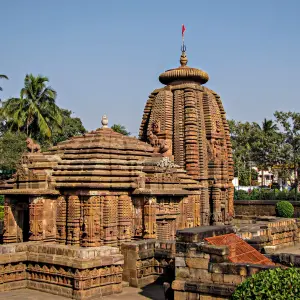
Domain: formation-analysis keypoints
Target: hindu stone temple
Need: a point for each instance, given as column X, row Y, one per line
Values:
column 104, row 209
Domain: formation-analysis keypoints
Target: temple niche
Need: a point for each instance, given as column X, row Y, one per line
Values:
column 187, row 121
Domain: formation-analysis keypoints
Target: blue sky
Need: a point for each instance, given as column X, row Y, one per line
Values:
column 104, row 57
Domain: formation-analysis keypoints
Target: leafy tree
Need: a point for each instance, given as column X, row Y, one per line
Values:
column 277, row 284
column 290, row 151
column 242, row 138
column 12, row 146
column 264, row 149
column 71, row 127
column 35, row 112
column 120, row 129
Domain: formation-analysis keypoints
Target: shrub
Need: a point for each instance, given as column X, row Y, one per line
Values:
column 282, row 195
column 242, row 195
column 1, row 200
column 1, row 212
column 271, row 284
column 284, row 209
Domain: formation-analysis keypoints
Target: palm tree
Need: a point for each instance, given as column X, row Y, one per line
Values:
column 268, row 127
column 266, row 144
column 3, row 77
column 35, row 112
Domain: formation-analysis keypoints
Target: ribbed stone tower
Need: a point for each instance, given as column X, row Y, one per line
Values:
column 187, row 120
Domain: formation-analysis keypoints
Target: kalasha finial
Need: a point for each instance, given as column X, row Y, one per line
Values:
column 104, row 121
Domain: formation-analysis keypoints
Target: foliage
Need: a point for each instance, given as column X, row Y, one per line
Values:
column 3, row 77
column 264, row 149
column 1, row 200
column 120, row 129
column 35, row 112
column 290, row 148
column 12, row 146
column 71, row 127
column 274, row 284
column 264, row 194
column 273, row 145
column 284, row 209
column 245, row 177
column 1, row 212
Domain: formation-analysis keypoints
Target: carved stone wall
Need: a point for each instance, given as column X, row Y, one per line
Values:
column 62, row 270
column 73, row 220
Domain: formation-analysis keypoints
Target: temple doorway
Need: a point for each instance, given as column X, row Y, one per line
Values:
column 21, row 213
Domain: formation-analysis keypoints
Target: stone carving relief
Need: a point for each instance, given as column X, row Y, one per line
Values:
column 32, row 146
column 159, row 145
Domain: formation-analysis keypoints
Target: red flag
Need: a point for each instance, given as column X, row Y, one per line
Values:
column 182, row 30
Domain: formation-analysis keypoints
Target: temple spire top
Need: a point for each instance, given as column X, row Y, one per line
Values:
column 104, row 121
column 183, row 58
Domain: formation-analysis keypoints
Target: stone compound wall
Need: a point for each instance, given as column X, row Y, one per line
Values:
column 267, row 234
column 260, row 207
column 62, row 270
column 205, row 272
column 148, row 260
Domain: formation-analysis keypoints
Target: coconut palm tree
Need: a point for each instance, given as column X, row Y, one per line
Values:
column 35, row 112
column 3, row 77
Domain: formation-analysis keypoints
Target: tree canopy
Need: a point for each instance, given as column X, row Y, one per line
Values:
column 35, row 111
column 275, row 144
column 34, row 114
column 120, row 129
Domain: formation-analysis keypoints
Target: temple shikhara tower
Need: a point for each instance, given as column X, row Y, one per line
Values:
column 186, row 120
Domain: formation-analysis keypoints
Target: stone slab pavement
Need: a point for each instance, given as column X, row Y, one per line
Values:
column 152, row 291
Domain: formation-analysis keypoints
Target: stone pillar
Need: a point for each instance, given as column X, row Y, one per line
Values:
column 204, row 203
column 196, row 210
column 36, row 218
column 137, row 220
column 49, row 222
column 216, row 202
column 110, row 220
column 149, row 218
column 73, row 221
column 10, row 224
column 125, row 217
column 42, row 219
column 91, row 222
column 61, row 220
column 191, row 134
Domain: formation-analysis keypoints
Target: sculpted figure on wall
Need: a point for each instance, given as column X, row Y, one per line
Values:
column 159, row 145
column 32, row 146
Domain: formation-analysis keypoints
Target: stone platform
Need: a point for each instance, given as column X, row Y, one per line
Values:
column 154, row 292
column 70, row 271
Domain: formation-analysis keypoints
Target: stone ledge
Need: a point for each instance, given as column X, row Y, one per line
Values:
column 206, row 288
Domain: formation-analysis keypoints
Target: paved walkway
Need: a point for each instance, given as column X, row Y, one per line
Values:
column 152, row 291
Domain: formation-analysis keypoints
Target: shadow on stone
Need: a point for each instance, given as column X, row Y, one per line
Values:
column 158, row 291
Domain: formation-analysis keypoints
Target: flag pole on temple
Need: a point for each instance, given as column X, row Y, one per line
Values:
column 183, row 47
